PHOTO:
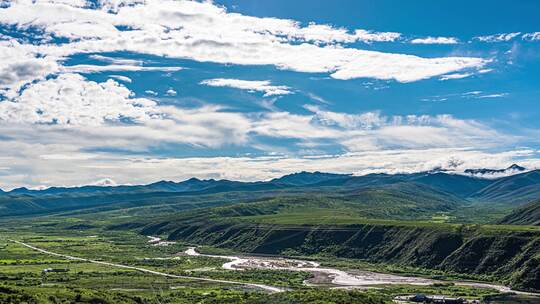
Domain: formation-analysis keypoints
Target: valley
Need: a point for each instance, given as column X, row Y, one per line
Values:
column 340, row 278
column 303, row 237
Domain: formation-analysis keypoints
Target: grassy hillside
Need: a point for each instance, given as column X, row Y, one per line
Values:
column 28, row 205
column 343, row 227
column 395, row 202
column 526, row 215
column 507, row 256
column 398, row 201
column 515, row 190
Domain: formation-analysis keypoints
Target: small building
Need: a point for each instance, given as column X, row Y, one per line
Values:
column 433, row 299
column 48, row 270
column 446, row 300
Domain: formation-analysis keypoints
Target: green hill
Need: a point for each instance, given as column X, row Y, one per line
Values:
column 335, row 227
column 405, row 201
column 515, row 190
column 526, row 215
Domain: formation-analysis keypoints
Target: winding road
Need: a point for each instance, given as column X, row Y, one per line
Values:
column 268, row 288
column 339, row 278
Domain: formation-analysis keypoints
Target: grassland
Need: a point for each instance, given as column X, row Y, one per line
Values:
column 23, row 280
column 331, row 218
column 404, row 229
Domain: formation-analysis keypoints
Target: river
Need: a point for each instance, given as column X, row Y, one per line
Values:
column 337, row 277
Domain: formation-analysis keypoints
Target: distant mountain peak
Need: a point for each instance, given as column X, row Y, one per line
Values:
column 163, row 182
column 307, row 178
column 514, row 168
column 438, row 169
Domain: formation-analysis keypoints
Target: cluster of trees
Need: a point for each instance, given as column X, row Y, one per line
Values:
column 14, row 295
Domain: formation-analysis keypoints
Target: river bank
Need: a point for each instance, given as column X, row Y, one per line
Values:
column 339, row 278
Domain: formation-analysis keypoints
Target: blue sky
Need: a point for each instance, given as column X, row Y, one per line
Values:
column 128, row 92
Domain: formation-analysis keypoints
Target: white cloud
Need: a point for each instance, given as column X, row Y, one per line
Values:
column 287, row 125
column 59, row 115
column 136, row 170
column 121, row 78
column 371, row 130
column 483, row 71
column 471, row 93
column 207, row 126
column 89, row 68
column 105, row 182
column 250, row 85
column 116, row 61
column 111, row 116
column 20, row 64
column 171, row 92
column 206, row 32
column 480, row 95
column 367, row 36
column 65, row 117
column 72, row 100
column 498, row 37
column 108, row 115
column 531, row 36
column 397, row 66
column 323, row 33
column 317, row 98
column 496, row 95
column 435, row 40
column 466, row 95
column 364, row 121
column 455, row 76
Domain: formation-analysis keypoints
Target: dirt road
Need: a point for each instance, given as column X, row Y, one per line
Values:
column 69, row 257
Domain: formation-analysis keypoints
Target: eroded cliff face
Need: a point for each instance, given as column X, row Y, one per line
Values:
column 513, row 257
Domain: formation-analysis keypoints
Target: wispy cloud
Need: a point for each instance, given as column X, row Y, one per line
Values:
column 497, row 37
column 435, row 40
column 116, row 61
column 121, row 78
column 497, row 95
column 455, row 76
column 109, row 113
column 264, row 86
column 466, row 95
column 317, row 98
column 88, row 68
column 531, row 36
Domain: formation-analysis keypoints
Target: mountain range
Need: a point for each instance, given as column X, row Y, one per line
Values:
column 439, row 186
column 518, row 188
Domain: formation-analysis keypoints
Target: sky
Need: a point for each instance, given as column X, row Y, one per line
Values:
column 110, row 92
